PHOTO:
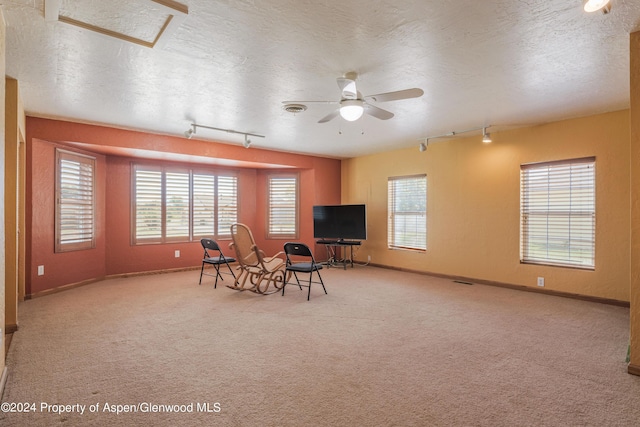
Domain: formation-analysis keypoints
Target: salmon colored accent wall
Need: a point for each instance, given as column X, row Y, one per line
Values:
column 473, row 203
column 122, row 257
column 62, row 131
column 319, row 184
column 68, row 267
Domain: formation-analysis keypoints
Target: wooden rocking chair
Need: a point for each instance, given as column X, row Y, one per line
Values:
column 258, row 273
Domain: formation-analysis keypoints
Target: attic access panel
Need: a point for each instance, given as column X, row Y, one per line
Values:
column 143, row 22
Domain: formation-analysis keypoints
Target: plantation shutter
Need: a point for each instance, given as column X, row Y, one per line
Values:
column 75, row 201
column 173, row 205
column 177, row 205
column 204, row 205
column 148, row 205
column 227, row 204
column 558, row 213
column 283, row 207
column 407, row 204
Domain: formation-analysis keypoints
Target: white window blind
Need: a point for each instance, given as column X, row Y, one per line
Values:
column 182, row 205
column 204, row 197
column 227, row 204
column 148, row 205
column 558, row 213
column 75, row 201
column 177, row 205
column 407, row 209
column 283, row 206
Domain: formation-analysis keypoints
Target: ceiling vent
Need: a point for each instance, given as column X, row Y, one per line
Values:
column 295, row 108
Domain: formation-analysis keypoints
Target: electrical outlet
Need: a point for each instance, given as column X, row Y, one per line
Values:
column 177, row 254
column 541, row 281
column 41, row 270
column 369, row 258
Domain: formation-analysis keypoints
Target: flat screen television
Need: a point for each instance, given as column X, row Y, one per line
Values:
column 342, row 222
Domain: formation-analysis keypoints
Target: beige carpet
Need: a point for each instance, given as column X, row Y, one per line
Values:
column 383, row 348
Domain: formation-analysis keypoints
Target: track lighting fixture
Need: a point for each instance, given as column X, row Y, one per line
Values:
column 596, row 5
column 247, row 142
column 486, row 137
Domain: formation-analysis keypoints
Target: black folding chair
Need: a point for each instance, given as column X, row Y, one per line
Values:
column 216, row 261
column 301, row 260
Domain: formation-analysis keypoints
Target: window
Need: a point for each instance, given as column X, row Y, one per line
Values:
column 407, row 200
column 177, row 205
column 182, row 205
column 148, row 204
column 283, row 207
column 558, row 213
column 204, row 204
column 75, row 201
column 227, row 198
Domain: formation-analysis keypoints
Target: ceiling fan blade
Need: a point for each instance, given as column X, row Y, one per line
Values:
column 330, row 116
column 378, row 113
column 397, row 95
column 348, row 88
column 310, row 102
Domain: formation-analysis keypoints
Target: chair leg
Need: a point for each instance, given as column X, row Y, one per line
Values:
column 286, row 280
column 201, row 271
column 217, row 267
column 321, row 282
column 309, row 291
column 230, row 270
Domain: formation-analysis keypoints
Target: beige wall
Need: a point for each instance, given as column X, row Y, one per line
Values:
column 2, row 125
column 634, row 366
column 14, row 133
column 473, row 196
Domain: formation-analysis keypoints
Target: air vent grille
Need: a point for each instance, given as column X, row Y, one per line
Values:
column 294, row 108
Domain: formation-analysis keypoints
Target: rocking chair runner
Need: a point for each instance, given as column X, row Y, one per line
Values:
column 260, row 271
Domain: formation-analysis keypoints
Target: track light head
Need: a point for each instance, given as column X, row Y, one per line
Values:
column 247, row 142
column 486, row 137
column 423, row 147
column 189, row 133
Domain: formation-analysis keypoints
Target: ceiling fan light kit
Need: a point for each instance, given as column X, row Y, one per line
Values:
column 596, row 5
column 351, row 109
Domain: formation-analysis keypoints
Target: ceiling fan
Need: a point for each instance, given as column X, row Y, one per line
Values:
column 353, row 105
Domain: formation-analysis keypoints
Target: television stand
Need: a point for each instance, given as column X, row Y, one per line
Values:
column 341, row 247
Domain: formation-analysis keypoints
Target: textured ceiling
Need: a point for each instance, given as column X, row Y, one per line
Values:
column 231, row 64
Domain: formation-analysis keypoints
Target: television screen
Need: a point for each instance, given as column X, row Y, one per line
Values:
column 340, row 222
